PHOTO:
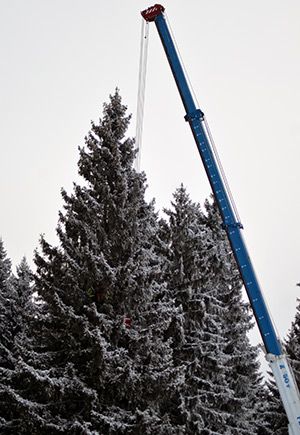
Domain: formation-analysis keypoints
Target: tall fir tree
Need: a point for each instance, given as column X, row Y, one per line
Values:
column 245, row 379
column 199, row 344
column 140, row 326
column 101, row 362
column 8, row 297
column 293, row 344
column 15, row 314
column 26, row 307
column 219, row 364
column 275, row 415
column 7, row 333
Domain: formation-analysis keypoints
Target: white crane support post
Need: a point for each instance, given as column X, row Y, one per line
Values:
column 288, row 389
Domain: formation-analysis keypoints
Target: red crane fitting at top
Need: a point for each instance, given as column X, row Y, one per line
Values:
column 151, row 13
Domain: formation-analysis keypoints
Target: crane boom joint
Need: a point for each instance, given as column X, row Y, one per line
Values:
column 196, row 114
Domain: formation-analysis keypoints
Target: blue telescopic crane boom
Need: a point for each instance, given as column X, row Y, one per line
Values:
column 195, row 117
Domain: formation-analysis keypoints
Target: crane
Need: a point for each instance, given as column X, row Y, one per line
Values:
column 274, row 352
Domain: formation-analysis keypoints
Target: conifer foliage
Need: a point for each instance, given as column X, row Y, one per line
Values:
column 275, row 413
column 134, row 325
column 100, row 361
column 7, row 306
column 293, row 345
column 244, row 377
column 221, row 380
column 16, row 307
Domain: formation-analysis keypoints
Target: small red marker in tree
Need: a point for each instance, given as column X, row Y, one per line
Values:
column 127, row 322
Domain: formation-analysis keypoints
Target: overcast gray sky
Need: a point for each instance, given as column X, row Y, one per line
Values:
column 59, row 61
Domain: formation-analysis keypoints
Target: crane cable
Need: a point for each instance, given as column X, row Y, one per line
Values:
column 141, row 92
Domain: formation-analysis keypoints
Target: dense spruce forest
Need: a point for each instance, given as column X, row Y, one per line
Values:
column 133, row 323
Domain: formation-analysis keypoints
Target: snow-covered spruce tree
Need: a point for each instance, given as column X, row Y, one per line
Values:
column 7, row 332
column 26, row 308
column 244, row 378
column 292, row 345
column 217, row 376
column 102, row 363
column 16, row 309
column 7, row 302
column 275, row 412
column 204, row 396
